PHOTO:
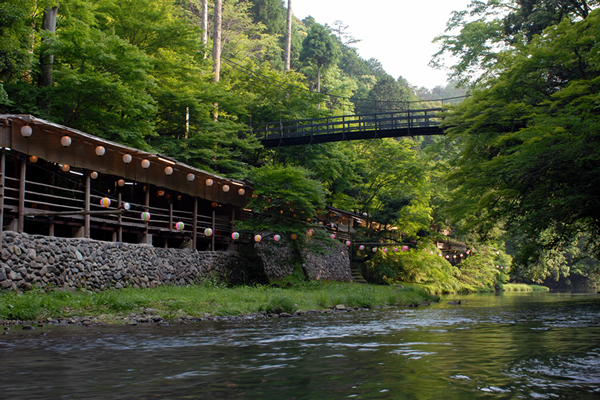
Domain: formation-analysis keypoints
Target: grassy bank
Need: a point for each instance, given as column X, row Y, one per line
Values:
column 171, row 302
column 521, row 287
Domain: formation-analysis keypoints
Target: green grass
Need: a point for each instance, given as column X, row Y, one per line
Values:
column 195, row 301
column 521, row 287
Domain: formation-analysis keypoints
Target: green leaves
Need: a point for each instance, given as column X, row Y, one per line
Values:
column 530, row 152
column 285, row 199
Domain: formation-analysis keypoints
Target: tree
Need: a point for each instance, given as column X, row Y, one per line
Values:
column 288, row 38
column 492, row 26
column 15, row 42
column 270, row 13
column 319, row 49
column 530, row 158
column 285, row 199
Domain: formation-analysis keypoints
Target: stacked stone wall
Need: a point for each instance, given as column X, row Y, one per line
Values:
column 35, row 261
column 329, row 263
column 30, row 261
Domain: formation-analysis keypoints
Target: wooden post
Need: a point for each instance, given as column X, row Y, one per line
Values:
column 120, row 221
column 214, row 232
column 195, row 225
column 21, row 220
column 2, row 180
column 147, row 204
column 86, row 218
column 170, row 216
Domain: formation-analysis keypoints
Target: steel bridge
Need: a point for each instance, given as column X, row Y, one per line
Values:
column 422, row 122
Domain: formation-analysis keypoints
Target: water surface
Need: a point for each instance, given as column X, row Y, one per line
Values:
column 535, row 345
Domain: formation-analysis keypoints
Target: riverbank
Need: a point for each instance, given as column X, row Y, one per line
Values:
column 172, row 303
column 521, row 287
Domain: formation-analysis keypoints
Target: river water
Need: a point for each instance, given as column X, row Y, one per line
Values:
column 508, row 346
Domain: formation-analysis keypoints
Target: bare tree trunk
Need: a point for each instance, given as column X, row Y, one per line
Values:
column 205, row 23
column 288, row 38
column 48, row 24
column 216, row 52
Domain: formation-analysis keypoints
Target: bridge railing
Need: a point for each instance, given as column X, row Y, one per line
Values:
column 408, row 119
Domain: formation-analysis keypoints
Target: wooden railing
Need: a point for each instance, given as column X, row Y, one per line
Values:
column 350, row 127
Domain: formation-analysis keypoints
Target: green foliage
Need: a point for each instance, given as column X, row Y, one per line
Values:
column 422, row 265
column 529, row 146
column 489, row 27
column 15, row 42
column 285, row 199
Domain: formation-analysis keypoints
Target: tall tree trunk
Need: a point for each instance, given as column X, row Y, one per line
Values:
column 288, row 37
column 48, row 24
column 205, row 23
column 216, row 52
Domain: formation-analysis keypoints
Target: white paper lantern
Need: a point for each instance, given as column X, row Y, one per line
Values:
column 26, row 131
column 145, row 164
column 100, row 150
column 65, row 141
column 127, row 158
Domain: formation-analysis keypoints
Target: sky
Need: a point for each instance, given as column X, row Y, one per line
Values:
column 399, row 33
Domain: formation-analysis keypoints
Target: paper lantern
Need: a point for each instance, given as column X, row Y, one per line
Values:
column 235, row 235
column 121, row 182
column 241, row 191
column 209, row 182
column 348, row 243
column 65, row 141
column 333, row 235
column 277, row 238
column 374, row 249
column 257, row 238
column 191, row 177
column 179, row 226
column 65, row 168
column 127, row 158
column 100, row 150
column 105, row 202
column 395, row 249
column 448, row 257
column 93, row 175
column 404, row 248
column 26, row 131
column 33, row 159
column 362, row 247
column 168, row 170
column 294, row 236
column 145, row 216
column 226, row 188
column 208, row 232
column 145, row 163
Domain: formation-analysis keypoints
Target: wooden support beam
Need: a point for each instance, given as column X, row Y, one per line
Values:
column 214, row 231
column 20, row 220
column 2, row 180
column 86, row 220
column 195, row 225
column 120, row 221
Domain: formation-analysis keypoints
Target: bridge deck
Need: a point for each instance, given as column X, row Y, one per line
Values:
column 349, row 127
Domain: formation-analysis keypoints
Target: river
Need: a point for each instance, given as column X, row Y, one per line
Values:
column 507, row 346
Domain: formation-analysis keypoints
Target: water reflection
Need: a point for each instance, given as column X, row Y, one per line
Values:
column 510, row 346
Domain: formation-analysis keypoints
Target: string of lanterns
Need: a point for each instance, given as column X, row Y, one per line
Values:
column 66, row 141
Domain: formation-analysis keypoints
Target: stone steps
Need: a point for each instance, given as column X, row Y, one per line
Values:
column 356, row 275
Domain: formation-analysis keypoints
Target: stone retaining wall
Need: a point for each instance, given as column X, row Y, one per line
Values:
column 29, row 261
column 330, row 263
